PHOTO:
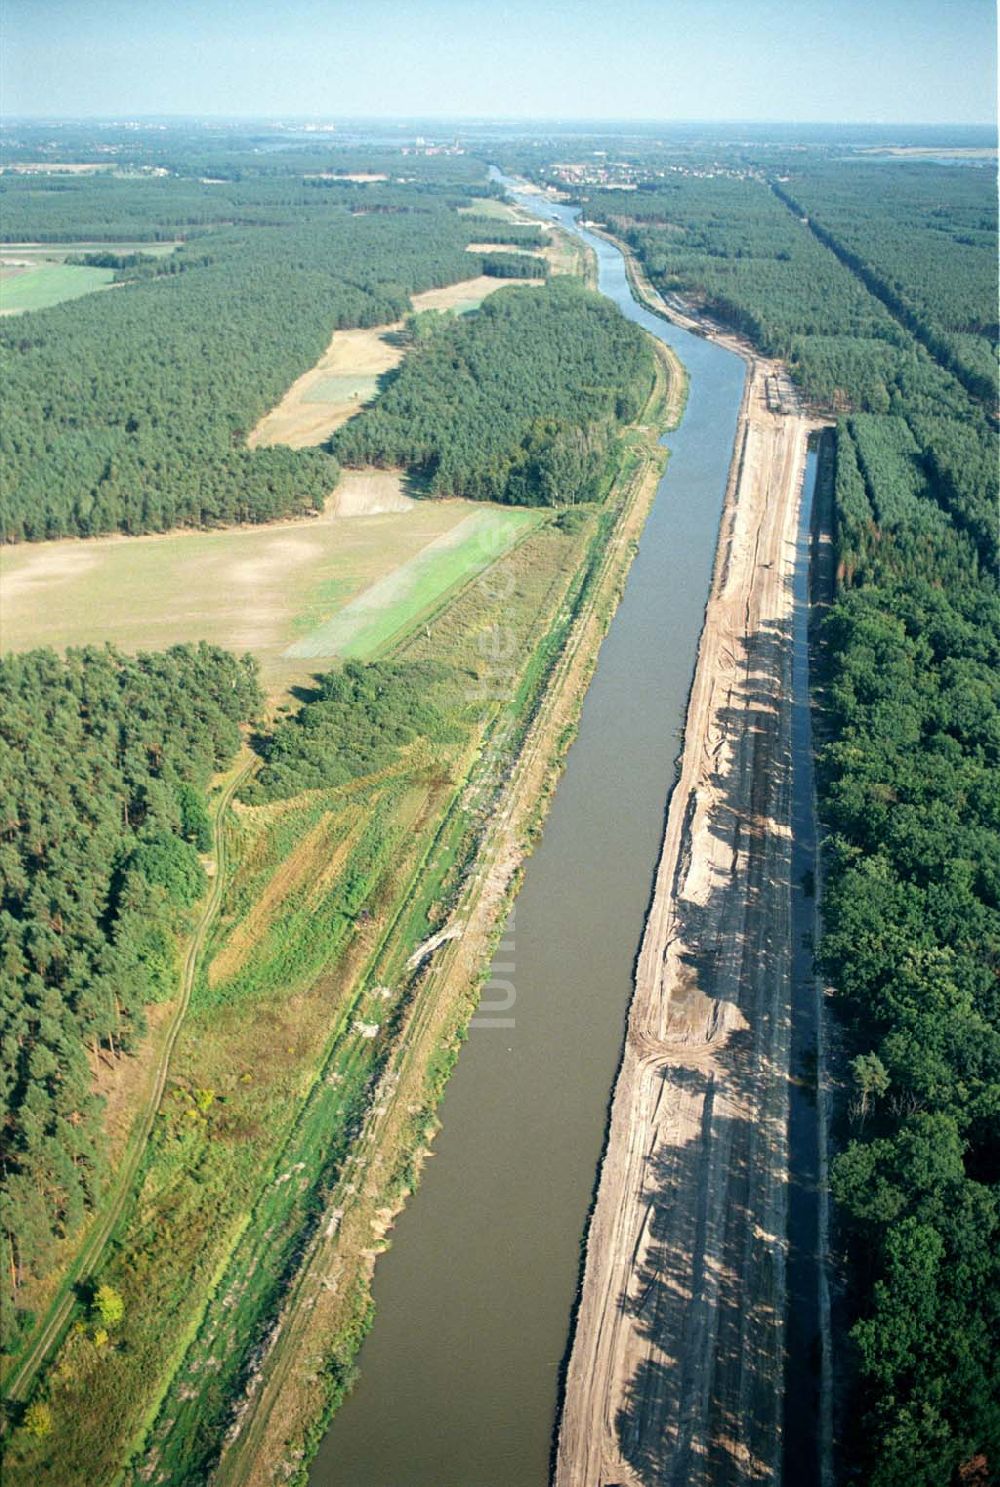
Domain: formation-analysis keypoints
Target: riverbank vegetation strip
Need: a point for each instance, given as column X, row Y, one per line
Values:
column 328, row 1310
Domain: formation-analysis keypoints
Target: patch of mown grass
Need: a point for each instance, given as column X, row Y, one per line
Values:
column 397, row 602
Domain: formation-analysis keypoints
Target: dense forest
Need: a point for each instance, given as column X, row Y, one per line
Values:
column 516, row 403
column 925, row 243
column 356, row 723
column 744, row 253
column 129, row 410
column 104, row 760
column 889, row 317
column 514, row 266
column 911, row 796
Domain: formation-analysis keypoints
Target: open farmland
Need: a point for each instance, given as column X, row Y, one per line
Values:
column 36, row 288
column 417, row 588
column 34, row 253
column 248, row 588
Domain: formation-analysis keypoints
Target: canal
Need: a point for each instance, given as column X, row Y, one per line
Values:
column 460, row 1375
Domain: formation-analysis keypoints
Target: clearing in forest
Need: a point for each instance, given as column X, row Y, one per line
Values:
column 25, row 287
column 488, row 206
column 35, row 253
column 348, row 374
column 247, row 588
column 342, row 381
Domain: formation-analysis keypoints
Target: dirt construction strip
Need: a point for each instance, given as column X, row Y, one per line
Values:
column 676, row 1372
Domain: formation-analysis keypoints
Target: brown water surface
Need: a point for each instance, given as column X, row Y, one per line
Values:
column 459, row 1377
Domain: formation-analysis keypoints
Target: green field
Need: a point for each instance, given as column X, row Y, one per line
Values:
column 397, row 601
column 342, row 389
column 487, row 206
column 466, row 306
column 49, row 284
column 58, row 252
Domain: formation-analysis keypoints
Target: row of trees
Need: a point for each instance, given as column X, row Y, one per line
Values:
column 104, row 760
column 910, row 780
column 924, row 239
column 517, row 403
column 129, row 410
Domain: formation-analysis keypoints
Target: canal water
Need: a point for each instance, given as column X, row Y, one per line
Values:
column 460, row 1374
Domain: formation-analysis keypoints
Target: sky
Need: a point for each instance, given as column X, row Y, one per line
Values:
column 891, row 61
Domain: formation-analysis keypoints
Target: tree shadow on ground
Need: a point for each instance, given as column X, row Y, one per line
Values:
column 705, row 1407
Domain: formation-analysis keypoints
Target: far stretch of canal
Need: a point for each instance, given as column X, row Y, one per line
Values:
column 459, row 1377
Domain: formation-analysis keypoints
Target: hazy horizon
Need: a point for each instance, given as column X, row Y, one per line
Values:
column 886, row 63
column 482, row 119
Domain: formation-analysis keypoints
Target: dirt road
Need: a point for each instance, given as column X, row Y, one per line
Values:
column 676, row 1370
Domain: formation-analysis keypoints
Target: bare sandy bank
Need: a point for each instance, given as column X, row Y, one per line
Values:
column 676, row 1372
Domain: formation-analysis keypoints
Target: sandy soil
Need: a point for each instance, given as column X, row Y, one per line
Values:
column 299, row 420
column 676, row 1373
column 346, row 377
column 504, row 248
column 370, row 493
column 467, row 292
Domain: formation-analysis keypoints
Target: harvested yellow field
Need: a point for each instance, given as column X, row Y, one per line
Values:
column 260, row 589
column 467, row 294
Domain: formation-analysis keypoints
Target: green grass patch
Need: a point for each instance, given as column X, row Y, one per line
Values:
column 50, row 284
column 418, row 587
column 335, row 389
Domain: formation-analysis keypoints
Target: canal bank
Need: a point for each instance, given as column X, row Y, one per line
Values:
column 460, row 1379
column 460, row 1375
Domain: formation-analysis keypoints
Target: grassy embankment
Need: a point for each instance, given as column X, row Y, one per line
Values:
column 276, row 1066
column 329, row 1307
